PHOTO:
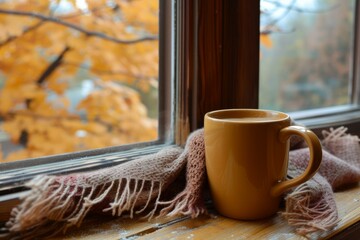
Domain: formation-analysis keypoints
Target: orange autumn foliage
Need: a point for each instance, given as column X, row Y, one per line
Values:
column 48, row 48
column 265, row 40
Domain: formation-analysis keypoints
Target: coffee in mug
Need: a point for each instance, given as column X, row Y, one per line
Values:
column 246, row 154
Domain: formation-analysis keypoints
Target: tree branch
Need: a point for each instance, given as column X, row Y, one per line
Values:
column 288, row 7
column 287, row 11
column 76, row 27
column 52, row 67
column 293, row 7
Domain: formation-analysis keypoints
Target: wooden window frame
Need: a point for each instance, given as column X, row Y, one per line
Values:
column 218, row 59
column 219, row 66
column 15, row 174
column 216, row 66
column 217, row 62
column 211, row 71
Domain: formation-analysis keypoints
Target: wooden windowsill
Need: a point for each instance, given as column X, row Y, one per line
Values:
column 217, row 227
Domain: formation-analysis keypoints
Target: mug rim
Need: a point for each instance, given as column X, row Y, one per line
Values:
column 283, row 116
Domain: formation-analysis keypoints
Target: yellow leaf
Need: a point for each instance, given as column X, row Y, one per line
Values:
column 265, row 40
column 74, row 56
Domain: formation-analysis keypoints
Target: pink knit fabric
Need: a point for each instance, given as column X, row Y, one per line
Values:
column 311, row 206
column 141, row 187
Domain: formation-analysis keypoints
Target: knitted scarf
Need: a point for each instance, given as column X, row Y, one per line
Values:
column 151, row 186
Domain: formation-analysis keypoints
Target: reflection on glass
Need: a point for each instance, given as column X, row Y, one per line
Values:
column 77, row 75
column 306, row 53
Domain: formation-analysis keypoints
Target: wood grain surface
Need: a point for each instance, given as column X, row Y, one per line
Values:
column 213, row 226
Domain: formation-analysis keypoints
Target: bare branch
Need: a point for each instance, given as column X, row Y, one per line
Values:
column 53, row 66
column 272, row 27
column 293, row 7
column 76, row 27
column 287, row 11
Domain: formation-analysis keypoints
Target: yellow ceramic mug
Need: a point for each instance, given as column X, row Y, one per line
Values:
column 247, row 157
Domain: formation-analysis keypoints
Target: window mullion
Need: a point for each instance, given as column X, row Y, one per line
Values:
column 355, row 81
column 219, row 58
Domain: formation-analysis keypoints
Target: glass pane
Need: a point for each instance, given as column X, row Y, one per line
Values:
column 77, row 75
column 306, row 53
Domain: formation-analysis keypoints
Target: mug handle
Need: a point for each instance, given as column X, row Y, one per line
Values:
column 314, row 162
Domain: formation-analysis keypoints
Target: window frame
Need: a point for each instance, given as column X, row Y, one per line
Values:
column 192, row 94
column 15, row 174
column 195, row 94
column 219, row 66
column 216, row 67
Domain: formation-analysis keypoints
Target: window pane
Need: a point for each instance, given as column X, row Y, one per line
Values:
column 77, row 75
column 306, row 53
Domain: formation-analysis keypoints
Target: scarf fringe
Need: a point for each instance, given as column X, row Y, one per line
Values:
column 337, row 134
column 53, row 207
column 305, row 216
column 184, row 203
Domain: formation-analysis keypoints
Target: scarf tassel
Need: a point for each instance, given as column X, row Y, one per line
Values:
column 310, row 209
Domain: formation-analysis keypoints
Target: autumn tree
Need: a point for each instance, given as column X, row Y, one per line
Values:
column 72, row 74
